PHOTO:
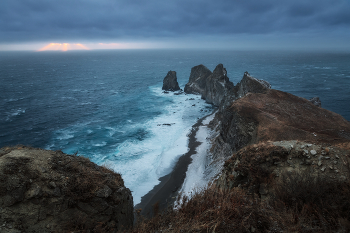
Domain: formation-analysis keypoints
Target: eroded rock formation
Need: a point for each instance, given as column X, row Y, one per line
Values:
column 218, row 86
column 170, row 82
column 217, row 89
column 48, row 191
column 198, row 80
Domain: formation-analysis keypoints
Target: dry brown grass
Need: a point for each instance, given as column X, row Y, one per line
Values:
column 83, row 177
column 214, row 210
column 318, row 203
column 301, row 203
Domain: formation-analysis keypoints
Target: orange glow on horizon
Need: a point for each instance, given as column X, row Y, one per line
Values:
column 82, row 46
column 63, row 47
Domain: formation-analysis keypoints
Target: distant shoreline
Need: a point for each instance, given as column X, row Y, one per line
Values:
column 166, row 191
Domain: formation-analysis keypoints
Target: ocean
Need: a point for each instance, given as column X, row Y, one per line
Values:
column 109, row 106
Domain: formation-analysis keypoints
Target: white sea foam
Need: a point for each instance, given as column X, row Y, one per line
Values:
column 143, row 162
column 100, row 144
column 111, row 131
column 199, row 173
column 64, row 134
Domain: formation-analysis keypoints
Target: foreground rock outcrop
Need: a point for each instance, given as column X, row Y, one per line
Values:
column 259, row 167
column 170, row 82
column 49, row 191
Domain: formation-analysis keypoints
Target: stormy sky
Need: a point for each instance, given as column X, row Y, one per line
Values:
column 176, row 23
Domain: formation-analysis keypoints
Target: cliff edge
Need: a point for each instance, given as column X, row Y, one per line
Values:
column 49, row 191
column 275, row 116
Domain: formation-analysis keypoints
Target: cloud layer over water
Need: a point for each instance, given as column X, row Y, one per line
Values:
column 110, row 20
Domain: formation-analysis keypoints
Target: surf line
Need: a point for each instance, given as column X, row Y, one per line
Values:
column 165, row 193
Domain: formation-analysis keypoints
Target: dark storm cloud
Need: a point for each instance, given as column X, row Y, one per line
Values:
column 33, row 20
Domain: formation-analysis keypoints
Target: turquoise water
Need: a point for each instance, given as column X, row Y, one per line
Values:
column 108, row 105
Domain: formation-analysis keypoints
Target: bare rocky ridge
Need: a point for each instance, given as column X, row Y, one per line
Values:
column 275, row 116
column 170, row 82
column 49, row 191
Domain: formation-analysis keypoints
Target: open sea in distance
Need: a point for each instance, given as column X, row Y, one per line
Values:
column 109, row 106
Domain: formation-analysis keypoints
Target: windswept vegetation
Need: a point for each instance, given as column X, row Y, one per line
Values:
column 300, row 203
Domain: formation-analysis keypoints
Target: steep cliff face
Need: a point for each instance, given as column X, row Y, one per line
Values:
column 217, row 86
column 217, row 89
column 232, row 131
column 170, row 82
column 48, row 191
column 197, row 81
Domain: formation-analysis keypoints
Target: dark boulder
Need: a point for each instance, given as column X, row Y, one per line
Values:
column 170, row 82
column 316, row 101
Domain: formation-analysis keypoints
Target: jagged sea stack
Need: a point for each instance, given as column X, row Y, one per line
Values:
column 170, row 82
column 217, row 86
column 198, row 80
column 212, row 86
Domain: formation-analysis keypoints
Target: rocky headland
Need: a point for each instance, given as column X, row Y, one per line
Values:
column 284, row 162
